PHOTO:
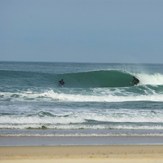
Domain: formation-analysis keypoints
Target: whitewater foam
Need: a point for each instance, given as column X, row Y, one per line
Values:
column 105, row 96
column 150, row 79
column 86, row 117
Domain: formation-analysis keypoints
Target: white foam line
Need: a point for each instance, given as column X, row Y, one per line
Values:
column 105, row 98
column 51, row 95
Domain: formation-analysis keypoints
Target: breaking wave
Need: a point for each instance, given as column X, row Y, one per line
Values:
column 91, row 79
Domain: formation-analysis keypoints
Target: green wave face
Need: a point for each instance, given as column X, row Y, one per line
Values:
column 91, row 79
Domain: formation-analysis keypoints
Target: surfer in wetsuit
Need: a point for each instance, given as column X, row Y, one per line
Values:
column 61, row 82
column 135, row 81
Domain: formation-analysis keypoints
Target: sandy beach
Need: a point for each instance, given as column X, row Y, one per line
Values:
column 88, row 154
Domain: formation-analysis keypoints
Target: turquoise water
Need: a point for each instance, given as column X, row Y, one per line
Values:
column 96, row 99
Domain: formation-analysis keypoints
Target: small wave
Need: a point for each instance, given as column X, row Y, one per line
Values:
column 48, row 114
column 110, row 118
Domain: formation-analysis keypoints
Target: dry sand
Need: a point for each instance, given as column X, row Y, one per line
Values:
column 80, row 154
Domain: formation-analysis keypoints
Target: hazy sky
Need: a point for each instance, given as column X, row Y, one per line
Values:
column 81, row 30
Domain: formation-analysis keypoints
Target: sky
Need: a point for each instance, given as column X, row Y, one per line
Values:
column 110, row 31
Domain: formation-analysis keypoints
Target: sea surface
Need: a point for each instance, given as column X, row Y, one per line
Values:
column 96, row 99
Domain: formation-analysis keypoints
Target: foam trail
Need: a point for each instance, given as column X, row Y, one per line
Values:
column 108, row 98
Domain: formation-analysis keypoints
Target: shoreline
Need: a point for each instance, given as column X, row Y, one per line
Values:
column 79, row 140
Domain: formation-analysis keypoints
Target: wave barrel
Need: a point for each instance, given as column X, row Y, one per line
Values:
column 92, row 79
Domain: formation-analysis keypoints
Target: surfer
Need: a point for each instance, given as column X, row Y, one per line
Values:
column 135, row 81
column 61, row 82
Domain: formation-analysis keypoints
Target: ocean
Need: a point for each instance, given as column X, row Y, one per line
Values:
column 97, row 99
